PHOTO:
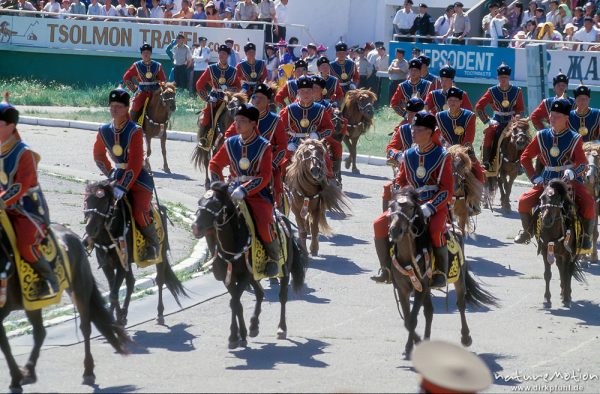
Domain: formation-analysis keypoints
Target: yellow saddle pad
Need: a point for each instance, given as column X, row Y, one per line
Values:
column 29, row 280
column 139, row 241
column 457, row 257
column 259, row 256
column 578, row 233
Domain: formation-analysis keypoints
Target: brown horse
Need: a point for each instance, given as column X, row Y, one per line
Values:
column 210, row 138
column 156, row 119
column 515, row 141
column 468, row 191
column 359, row 109
column 311, row 195
column 592, row 184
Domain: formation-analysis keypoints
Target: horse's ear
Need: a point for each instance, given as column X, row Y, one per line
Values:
column 162, row 83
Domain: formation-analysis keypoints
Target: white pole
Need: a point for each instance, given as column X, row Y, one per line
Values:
column 536, row 75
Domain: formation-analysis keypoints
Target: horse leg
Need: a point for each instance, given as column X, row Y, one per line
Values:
column 355, row 169
column 564, row 278
column 314, row 230
column 547, row 277
column 404, row 297
column 15, row 372
column 114, row 293
column 428, row 311
column 148, row 145
column 110, row 278
column 160, row 281
column 206, row 161
column 39, row 334
column 163, row 148
column 302, row 230
column 89, row 378
column 235, row 305
column 460, row 289
column 410, row 322
column 283, row 297
column 130, row 285
column 348, row 160
column 254, row 320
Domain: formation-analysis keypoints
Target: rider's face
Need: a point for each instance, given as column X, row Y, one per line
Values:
column 244, row 126
column 453, row 103
column 6, row 130
column 582, row 101
column 446, row 83
column 558, row 121
column 260, row 101
column 560, row 88
column 421, row 135
column 414, row 73
column 223, row 56
column 305, row 94
column 118, row 111
column 146, row 55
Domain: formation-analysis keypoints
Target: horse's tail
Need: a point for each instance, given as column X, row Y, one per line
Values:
column 173, row 283
column 577, row 271
column 333, row 200
column 299, row 260
column 475, row 295
column 87, row 295
column 199, row 157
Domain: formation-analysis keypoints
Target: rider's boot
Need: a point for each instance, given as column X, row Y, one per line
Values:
column 135, row 115
column 152, row 246
column 382, row 247
column 438, row 279
column 486, row 157
column 44, row 270
column 272, row 250
column 588, row 233
column 525, row 235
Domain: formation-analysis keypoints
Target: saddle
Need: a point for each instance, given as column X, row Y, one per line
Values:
column 53, row 250
column 496, row 158
column 573, row 226
column 456, row 257
column 136, row 240
column 259, row 255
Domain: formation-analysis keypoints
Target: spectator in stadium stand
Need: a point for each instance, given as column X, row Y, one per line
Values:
column 95, row 9
column 577, row 20
column 54, row 7
column 404, row 19
column 381, row 64
column 322, row 49
column 131, row 12
column 234, row 56
column 76, row 7
column 545, row 31
column 272, row 61
column 371, row 51
column 281, row 16
column 552, row 14
column 282, row 53
column 588, row 33
column 529, row 13
column 246, row 10
column 496, row 29
column 487, row 20
column 266, row 13
column 201, row 57
column 199, row 13
column 64, row 9
column 212, row 15
column 25, row 5
column 304, row 53
column 515, row 18
column 442, row 24
column 185, row 12
column 397, row 71
column 121, row 8
column 182, row 60
column 156, row 12
column 423, row 24
column 564, row 17
column 589, row 9
column 460, row 25
column 568, row 37
column 540, row 16
column 365, row 69
column 143, row 12
column 108, row 10
column 228, row 17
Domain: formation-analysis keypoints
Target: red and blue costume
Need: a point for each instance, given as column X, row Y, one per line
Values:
column 436, row 101
column 251, row 74
column 346, row 73
column 129, row 172
column 255, row 180
column 541, row 115
column 289, row 92
column 435, row 81
column 220, row 78
column 588, row 124
column 407, row 90
column 400, row 142
column 333, row 91
column 147, row 77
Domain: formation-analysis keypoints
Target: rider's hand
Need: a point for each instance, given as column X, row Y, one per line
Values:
column 538, row 180
column 352, row 86
column 313, row 135
column 569, row 174
column 118, row 192
column 427, row 212
column 238, row 194
column 292, row 147
column 492, row 122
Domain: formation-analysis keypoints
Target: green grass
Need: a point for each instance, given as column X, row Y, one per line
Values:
column 28, row 92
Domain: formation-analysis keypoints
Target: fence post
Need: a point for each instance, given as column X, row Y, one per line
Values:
column 536, row 75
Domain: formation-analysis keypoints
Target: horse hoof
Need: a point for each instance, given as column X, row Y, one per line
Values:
column 233, row 344
column 28, row 379
column 314, row 253
column 466, row 341
column 89, row 380
column 347, row 164
column 281, row 334
column 166, row 170
column 567, row 304
column 15, row 388
column 243, row 343
column 253, row 332
column 547, row 304
column 356, row 171
column 160, row 320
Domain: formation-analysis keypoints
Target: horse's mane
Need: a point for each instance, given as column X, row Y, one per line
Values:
column 351, row 104
column 591, row 146
column 462, row 152
column 242, row 97
column 169, row 86
column 561, row 188
column 104, row 184
column 521, row 123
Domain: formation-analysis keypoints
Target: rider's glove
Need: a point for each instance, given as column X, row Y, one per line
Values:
column 395, row 156
column 292, row 147
column 238, row 194
column 427, row 212
column 313, row 135
column 118, row 192
column 569, row 174
column 538, row 180
column 492, row 122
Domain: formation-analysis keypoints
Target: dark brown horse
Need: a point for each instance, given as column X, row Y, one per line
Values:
column 156, row 119
column 210, row 138
column 218, row 216
column 359, row 110
column 311, row 194
column 104, row 224
column 515, row 141
column 557, row 241
column 412, row 247
column 86, row 297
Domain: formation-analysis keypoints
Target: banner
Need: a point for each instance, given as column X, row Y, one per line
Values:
column 118, row 36
column 577, row 65
column 468, row 60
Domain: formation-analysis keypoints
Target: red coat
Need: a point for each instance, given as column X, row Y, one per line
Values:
column 282, row 94
column 207, row 79
column 132, row 77
column 487, row 99
column 433, row 108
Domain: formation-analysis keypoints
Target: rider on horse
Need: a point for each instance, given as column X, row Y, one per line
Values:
column 252, row 71
column 250, row 160
column 148, row 74
column 306, row 119
column 428, row 168
column 271, row 128
column 425, row 74
column 22, row 199
column 221, row 77
column 414, row 86
column 457, row 127
column 123, row 139
column 436, row 99
column 583, row 119
column 560, row 150
column 344, row 69
column 290, row 89
column 506, row 101
column 333, row 91
column 540, row 116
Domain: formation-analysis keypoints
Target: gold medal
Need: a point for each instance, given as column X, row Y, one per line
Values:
column 148, row 75
column 505, row 103
column 421, row 172
column 344, row 76
column 222, row 81
column 583, row 130
column 3, row 177
column 554, row 151
column 253, row 74
column 445, row 107
column 117, row 150
column 244, row 163
column 459, row 130
column 304, row 122
column 324, row 91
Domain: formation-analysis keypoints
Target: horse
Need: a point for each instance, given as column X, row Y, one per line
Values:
column 104, row 226
column 156, row 119
column 210, row 138
column 557, row 238
column 359, row 109
column 85, row 295
column 311, row 194
column 515, row 141
column 412, row 246
column 468, row 191
column 217, row 215
column 592, row 183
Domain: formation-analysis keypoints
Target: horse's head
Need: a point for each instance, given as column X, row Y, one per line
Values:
column 234, row 100
column 168, row 91
column 364, row 100
column 592, row 152
column 212, row 208
column 461, row 167
column 98, row 205
column 405, row 215
column 310, row 156
column 554, row 201
column 519, row 134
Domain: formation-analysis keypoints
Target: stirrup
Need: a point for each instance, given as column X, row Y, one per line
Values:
column 438, row 273
column 410, row 272
column 518, row 237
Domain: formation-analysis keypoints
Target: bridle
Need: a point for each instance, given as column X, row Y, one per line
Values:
column 411, row 228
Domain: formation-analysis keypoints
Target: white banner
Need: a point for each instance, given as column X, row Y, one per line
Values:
column 123, row 36
column 577, row 65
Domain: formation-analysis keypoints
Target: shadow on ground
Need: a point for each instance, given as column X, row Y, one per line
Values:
column 269, row 355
